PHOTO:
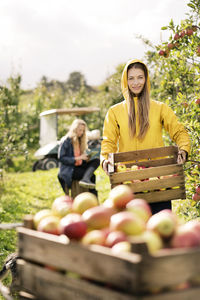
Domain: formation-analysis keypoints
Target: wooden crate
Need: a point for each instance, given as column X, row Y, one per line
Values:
column 78, row 272
column 158, row 162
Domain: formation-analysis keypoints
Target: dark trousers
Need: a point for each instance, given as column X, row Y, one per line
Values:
column 85, row 171
column 156, row 207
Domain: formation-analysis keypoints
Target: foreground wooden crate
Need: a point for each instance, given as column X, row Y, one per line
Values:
column 158, row 162
column 52, row 267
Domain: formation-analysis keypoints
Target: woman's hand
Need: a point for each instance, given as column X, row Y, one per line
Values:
column 83, row 156
column 182, row 156
column 105, row 166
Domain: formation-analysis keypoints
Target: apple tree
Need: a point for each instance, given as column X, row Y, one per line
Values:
column 175, row 79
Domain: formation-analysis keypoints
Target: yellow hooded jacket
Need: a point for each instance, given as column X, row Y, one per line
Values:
column 116, row 136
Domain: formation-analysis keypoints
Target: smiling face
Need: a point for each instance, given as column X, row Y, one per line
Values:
column 136, row 80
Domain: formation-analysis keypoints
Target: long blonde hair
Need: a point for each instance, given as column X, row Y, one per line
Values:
column 143, row 105
column 72, row 133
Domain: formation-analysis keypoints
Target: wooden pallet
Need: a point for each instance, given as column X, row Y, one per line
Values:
column 158, row 162
column 52, row 267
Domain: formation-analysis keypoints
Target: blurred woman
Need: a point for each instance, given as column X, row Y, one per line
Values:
column 74, row 164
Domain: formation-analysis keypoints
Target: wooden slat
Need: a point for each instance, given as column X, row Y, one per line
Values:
column 50, row 285
column 158, row 184
column 146, row 173
column 153, row 163
column 145, row 154
column 159, row 196
column 170, row 268
column 51, row 250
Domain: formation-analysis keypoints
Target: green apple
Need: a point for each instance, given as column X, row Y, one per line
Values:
column 84, row 201
column 127, row 222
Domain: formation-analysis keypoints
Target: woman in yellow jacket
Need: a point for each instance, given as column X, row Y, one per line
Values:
column 136, row 123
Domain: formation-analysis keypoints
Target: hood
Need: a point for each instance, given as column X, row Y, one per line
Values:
column 124, row 82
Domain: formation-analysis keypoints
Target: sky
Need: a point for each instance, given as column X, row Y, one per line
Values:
column 53, row 38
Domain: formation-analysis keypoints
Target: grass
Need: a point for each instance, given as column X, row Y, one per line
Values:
column 28, row 192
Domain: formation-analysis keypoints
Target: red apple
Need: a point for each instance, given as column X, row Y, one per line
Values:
column 185, row 237
column 127, row 222
column 73, row 226
column 170, row 45
column 163, row 222
column 98, row 217
column 177, row 36
column 161, row 52
column 183, row 33
column 50, row 225
column 185, row 104
column 115, row 237
column 198, row 100
column 189, row 31
column 140, row 207
column 198, row 51
column 193, row 225
column 198, row 189
column 121, row 247
column 63, row 198
column 96, row 237
column 196, row 197
column 84, row 201
column 41, row 215
column 121, row 195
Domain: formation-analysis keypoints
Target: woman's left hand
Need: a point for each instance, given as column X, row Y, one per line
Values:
column 182, row 156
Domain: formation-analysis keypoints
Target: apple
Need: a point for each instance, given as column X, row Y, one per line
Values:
column 140, row 207
column 121, row 167
column 161, row 52
column 73, row 226
column 40, row 215
column 177, row 36
column 198, row 189
column 164, row 223
column 115, row 237
column 108, row 203
column 134, row 167
column 62, row 208
column 185, row 104
column 63, row 198
column 49, row 224
column 198, row 100
column 196, row 197
column 121, row 247
column 153, row 178
column 153, row 240
column 121, row 195
column 193, row 225
column 198, row 51
column 166, row 54
column 189, row 31
column 84, row 201
column 185, row 237
column 127, row 222
column 95, row 236
column 183, row 33
column 170, row 45
column 98, row 217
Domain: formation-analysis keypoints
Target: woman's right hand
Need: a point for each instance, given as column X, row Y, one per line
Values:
column 83, row 156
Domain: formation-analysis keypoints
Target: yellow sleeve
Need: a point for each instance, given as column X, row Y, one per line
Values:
column 110, row 135
column 176, row 130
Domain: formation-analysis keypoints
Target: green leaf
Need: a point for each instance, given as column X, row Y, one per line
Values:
column 191, row 5
column 164, row 28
